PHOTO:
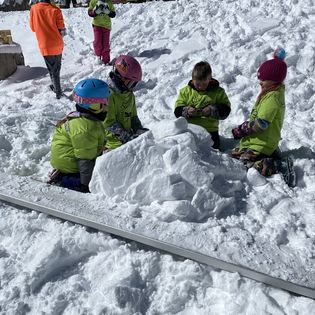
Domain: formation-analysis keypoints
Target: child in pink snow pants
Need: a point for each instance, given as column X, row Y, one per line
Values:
column 101, row 43
column 102, row 11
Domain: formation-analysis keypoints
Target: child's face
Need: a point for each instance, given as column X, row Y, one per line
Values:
column 266, row 84
column 201, row 85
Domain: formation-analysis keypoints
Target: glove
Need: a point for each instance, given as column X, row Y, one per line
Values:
column 242, row 130
column 189, row 111
column 97, row 10
column 106, row 9
column 101, row 8
column 122, row 134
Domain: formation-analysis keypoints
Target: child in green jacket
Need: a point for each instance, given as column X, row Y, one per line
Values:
column 79, row 138
column 203, row 102
column 260, row 135
column 102, row 11
column 122, row 123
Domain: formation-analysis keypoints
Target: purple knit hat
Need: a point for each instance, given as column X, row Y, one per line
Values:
column 274, row 69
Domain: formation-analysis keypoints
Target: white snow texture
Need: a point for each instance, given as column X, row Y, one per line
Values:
column 168, row 183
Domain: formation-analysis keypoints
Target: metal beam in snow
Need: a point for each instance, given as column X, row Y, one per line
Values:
column 167, row 247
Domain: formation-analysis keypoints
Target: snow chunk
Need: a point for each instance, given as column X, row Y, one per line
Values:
column 171, row 168
column 255, row 178
column 169, row 128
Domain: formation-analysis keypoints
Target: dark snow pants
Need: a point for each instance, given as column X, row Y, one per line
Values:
column 53, row 64
column 216, row 139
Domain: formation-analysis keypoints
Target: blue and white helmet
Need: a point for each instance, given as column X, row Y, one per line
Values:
column 89, row 93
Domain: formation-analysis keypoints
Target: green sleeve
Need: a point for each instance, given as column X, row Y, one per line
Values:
column 269, row 108
column 111, row 6
column 223, row 98
column 134, row 112
column 111, row 112
column 92, row 4
column 182, row 98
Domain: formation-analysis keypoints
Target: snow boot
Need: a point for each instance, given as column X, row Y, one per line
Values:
column 285, row 167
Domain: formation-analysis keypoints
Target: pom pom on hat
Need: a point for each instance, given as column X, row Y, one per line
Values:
column 274, row 69
column 279, row 53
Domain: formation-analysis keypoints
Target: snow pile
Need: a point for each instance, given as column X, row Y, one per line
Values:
column 172, row 172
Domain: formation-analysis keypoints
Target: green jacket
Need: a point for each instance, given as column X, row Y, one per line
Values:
column 102, row 20
column 121, row 110
column 77, row 138
column 271, row 107
column 188, row 96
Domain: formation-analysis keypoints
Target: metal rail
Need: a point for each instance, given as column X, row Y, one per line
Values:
column 167, row 247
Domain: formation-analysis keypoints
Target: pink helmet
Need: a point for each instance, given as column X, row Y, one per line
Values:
column 128, row 68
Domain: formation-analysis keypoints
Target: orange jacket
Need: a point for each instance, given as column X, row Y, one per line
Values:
column 46, row 21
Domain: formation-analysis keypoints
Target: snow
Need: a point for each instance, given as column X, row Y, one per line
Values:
column 13, row 48
column 167, row 183
column 170, row 156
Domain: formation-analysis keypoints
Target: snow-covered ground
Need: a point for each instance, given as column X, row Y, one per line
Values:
column 167, row 183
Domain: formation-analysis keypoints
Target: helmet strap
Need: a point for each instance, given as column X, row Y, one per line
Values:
column 116, row 82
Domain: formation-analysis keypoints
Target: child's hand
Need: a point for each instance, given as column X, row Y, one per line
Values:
column 237, row 134
column 192, row 111
column 103, row 7
column 106, row 9
column 97, row 10
column 242, row 130
column 210, row 111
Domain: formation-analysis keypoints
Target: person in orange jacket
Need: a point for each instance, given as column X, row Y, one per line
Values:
column 47, row 22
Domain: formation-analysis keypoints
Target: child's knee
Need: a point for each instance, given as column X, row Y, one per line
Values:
column 246, row 155
column 265, row 166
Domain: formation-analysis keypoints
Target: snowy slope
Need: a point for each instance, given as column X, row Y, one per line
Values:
column 57, row 267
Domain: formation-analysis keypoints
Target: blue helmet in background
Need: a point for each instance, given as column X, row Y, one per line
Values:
column 89, row 93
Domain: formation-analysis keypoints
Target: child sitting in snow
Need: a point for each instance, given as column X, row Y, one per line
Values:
column 102, row 11
column 122, row 123
column 260, row 135
column 79, row 138
column 203, row 102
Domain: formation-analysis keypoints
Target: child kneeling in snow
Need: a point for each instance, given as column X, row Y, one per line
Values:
column 122, row 123
column 79, row 138
column 260, row 135
column 203, row 102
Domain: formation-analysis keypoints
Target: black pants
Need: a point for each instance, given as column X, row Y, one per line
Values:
column 67, row 3
column 53, row 64
column 216, row 139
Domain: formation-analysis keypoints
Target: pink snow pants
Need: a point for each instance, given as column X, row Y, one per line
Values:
column 101, row 43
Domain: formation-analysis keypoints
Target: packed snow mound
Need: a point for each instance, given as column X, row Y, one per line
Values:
column 171, row 171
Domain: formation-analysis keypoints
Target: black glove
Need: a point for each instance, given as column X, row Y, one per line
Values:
column 101, row 8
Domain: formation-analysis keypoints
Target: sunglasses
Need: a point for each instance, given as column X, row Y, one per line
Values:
column 98, row 106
